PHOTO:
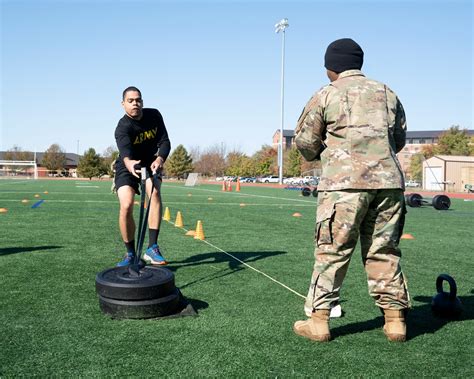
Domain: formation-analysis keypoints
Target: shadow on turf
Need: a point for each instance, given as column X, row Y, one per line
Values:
column 420, row 319
column 16, row 250
column 218, row 257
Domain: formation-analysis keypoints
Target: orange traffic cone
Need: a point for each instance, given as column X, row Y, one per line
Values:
column 179, row 220
column 199, row 235
column 237, row 186
column 229, row 187
column 167, row 215
column 224, row 188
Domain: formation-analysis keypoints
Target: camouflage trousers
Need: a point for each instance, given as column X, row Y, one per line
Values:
column 377, row 216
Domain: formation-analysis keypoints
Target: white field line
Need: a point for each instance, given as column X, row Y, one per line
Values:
column 243, row 194
column 87, row 186
column 165, row 203
column 58, row 193
column 247, row 265
column 16, row 182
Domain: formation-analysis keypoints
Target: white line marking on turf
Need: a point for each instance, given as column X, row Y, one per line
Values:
column 247, row 265
column 171, row 203
column 244, row 194
column 20, row 181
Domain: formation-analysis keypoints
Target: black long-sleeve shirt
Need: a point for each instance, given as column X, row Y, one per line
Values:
column 143, row 139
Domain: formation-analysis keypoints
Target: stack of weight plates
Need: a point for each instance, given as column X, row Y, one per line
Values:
column 151, row 293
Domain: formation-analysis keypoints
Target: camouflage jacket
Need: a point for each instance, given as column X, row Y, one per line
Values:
column 355, row 126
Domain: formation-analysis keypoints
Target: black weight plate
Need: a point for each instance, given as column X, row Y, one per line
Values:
column 441, row 202
column 141, row 308
column 118, row 283
column 306, row 191
column 315, row 193
column 414, row 200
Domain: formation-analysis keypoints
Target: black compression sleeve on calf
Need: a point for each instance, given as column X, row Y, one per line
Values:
column 130, row 246
column 153, row 236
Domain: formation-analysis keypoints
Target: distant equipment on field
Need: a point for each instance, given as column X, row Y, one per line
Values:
column 439, row 202
column 306, row 191
column 444, row 304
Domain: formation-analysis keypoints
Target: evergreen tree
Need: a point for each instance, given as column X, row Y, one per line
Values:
column 90, row 164
column 416, row 166
column 293, row 160
column 416, row 162
column 179, row 164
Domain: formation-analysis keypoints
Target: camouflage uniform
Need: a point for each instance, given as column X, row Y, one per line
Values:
column 356, row 126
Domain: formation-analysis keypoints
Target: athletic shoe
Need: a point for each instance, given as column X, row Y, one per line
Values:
column 127, row 260
column 153, row 256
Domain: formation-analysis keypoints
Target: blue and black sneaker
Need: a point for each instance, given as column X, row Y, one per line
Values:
column 127, row 260
column 153, row 256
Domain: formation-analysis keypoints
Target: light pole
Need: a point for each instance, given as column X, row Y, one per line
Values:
column 281, row 27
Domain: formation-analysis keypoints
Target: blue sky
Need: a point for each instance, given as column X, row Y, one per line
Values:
column 213, row 67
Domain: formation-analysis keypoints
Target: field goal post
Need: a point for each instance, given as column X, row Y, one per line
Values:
column 192, row 179
column 18, row 169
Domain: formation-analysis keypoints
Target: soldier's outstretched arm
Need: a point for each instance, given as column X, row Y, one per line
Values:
column 310, row 131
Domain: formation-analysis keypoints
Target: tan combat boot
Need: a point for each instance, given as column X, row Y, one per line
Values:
column 315, row 328
column 395, row 328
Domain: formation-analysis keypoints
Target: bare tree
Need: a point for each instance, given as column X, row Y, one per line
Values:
column 212, row 161
column 16, row 153
column 54, row 158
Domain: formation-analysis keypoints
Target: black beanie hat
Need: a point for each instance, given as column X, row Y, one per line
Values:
column 343, row 54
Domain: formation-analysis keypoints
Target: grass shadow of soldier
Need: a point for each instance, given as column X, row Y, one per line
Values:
column 234, row 265
column 16, row 250
column 420, row 319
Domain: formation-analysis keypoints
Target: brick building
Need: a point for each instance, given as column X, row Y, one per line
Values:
column 415, row 140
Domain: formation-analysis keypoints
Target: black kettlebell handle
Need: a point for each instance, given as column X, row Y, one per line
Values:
column 452, row 285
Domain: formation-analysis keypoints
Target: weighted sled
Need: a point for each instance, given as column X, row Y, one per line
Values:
column 119, row 283
column 439, row 202
column 446, row 305
column 139, row 309
column 138, row 291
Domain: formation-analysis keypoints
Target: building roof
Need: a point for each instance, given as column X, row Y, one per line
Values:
column 454, row 158
column 410, row 134
column 286, row 132
column 430, row 133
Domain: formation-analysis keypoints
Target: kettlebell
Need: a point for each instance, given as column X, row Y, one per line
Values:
column 446, row 305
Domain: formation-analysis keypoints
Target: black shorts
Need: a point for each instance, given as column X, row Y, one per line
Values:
column 124, row 178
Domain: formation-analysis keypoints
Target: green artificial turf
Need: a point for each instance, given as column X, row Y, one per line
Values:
column 51, row 324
